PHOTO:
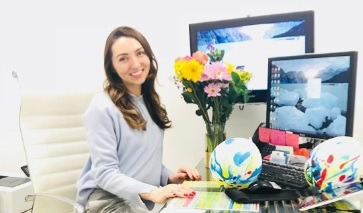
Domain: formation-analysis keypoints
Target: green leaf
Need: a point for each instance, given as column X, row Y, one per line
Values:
column 187, row 97
column 222, row 55
column 235, row 78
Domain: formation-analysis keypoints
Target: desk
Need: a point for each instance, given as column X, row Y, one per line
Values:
column 12, row 199
column 267, row 206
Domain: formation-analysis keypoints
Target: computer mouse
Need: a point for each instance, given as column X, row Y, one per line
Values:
column 262, row 187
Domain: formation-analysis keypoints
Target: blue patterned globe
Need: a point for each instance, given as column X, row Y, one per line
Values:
column 334, row 164
column 236, row 163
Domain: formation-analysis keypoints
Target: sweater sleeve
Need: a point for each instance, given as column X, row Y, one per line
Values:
column 165, row 173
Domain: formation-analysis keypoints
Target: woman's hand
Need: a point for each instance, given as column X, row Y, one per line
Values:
column 162, row 194
column 184, row 173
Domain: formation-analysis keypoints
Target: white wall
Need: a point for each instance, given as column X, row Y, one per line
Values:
column 59, row 46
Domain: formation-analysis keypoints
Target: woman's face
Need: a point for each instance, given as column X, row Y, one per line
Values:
column 131, row 63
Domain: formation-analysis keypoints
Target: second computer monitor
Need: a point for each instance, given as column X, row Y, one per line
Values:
column 313, row 94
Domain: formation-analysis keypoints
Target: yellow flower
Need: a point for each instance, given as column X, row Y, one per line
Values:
column 244, row 75
column 192, row 70
column 230, row 67
column 178, row 66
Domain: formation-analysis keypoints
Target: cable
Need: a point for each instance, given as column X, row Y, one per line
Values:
column 15, row 75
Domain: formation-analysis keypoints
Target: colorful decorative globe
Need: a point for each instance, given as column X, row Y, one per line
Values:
column 236, row 163
column 335, row 164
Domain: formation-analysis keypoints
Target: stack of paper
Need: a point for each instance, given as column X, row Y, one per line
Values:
column 207, row 200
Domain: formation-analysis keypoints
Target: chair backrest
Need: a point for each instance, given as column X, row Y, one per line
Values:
column 55, row 144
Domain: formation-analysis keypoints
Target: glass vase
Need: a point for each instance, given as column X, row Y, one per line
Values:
column 215, row 135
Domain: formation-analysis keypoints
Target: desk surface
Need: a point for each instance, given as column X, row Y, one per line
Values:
column 289, row 206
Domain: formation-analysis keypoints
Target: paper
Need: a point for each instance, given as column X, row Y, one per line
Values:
column 202, row 184
column 350, row 192
column 12, row 181
column 211, row 201
column 277, row 137
column 264, row 134
column 209, row 196
column 292, row 140
column 181, row 210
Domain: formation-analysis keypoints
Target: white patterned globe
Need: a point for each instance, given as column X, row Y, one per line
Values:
column 235, row 163
column 334, row 164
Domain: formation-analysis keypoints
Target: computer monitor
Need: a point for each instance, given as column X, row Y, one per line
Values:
column 249, row 42
column 312, row 94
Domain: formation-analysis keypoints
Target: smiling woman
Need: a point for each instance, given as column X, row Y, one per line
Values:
column 125, row 129
column 54, row 51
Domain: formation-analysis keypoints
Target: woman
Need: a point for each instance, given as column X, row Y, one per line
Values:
column 125, row 127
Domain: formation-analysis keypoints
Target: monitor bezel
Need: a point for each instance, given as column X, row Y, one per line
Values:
column 257, row 96
column 351, row 89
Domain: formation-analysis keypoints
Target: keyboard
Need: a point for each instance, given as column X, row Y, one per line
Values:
column 289, row 176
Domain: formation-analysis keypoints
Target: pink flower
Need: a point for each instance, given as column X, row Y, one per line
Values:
column 216, row 71
column 201, row 57
column 213, row 90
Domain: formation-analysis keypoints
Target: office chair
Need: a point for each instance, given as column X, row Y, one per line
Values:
column 54, row 141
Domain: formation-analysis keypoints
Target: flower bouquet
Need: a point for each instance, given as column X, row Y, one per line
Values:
column 214, row 86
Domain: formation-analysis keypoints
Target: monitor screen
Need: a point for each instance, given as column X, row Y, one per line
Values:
column 249, row 42
column 313, row 94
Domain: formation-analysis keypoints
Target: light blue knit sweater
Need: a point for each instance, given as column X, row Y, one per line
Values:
column 123, row 161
